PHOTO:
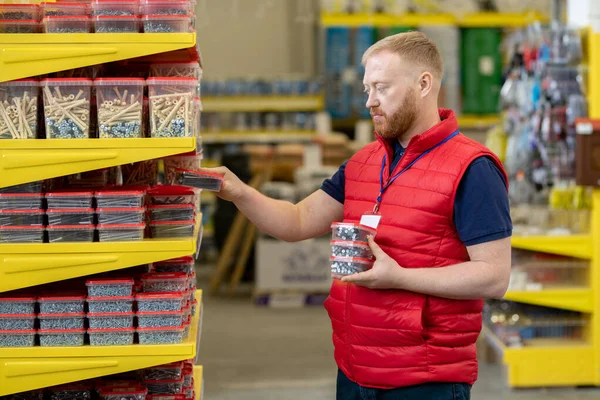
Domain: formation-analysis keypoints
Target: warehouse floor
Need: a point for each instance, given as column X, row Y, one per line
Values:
column 257, row 353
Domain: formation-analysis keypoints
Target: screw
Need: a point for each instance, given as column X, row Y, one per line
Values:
column 155, row 387
column 61, row 339
column 17, row 307
column 158, row 305
column 17, row 324
column 157, row 321
column 111, row 339
column 112, row 322
column 119, row 290
column 110, row 306
column 160, row 337
column 61, row 307
column 17, row 340
column 70, row 394
column 162, row 373
column 62, row 322
column 156, row 286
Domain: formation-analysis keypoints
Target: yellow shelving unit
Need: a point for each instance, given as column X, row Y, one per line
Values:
column 579, row 246
column 259, row 137
column 477, row 121
column 262, row 103
column 573, row 299
column 198, row 382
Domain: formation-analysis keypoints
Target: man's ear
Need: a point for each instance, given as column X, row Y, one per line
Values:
column 425, row 83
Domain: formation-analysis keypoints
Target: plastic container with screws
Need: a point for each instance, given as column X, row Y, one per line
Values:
column 182, row 264
column 115, row 8
column 110, row 320
column 111, row 337
column 61, row 337
column 62, row 321
column 67, row 108
column 166, row 23
column 349, row 265
column 119, row 24
column 166, row 282
column 74, row 391
column 171, row 105
column 19, row 98
column 67, row 24
column 21, row 234
column 17, row 322
column 166, row 397
column 120, row 199
column 110, row 304
column 17, row 304
column 351, row 232
column 21, row 217
column 61, row 304
column 30, row 187
column 165, row 7
column 341, row 248
column 164, row 386
column 70, row 200
column 25, row 338
column 165, row 371
column 188, row 375
column 123, row 393
column 120, row 100
column 200, row 180
column 172, row 229
column 153, row 302
column 165, row 335
column 109, row 287
column 172, row 212
column 21, row 201
column 22, row 12
column 70, row 216
column 159, row 319
column 171, row 194
column 121, row 232
column 64, row 8
column 18, row 26
column 189, row 392
column 121, row 215
column 70, row 233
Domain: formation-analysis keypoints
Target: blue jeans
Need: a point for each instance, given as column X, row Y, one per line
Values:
column 348, row 390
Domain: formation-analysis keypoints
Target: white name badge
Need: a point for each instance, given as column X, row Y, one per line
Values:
column 370, row 220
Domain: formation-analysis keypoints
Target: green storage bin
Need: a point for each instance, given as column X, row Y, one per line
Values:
column 481, row 70
column 392, row 30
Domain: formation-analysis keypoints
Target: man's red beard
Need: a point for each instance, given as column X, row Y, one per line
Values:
column 396, row 125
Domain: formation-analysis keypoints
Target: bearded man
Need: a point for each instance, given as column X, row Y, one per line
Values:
column 406, row 329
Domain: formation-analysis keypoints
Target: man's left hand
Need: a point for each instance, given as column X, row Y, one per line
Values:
column 385, row 274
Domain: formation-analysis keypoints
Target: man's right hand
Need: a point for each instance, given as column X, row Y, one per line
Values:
column 232, row 188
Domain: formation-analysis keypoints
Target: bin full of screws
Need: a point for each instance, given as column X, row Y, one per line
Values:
column 122, row 304
column 21, row 234
column 18, row 26
column 121, row 232
column 172, row 229
column 166, row 24
column 165, row 7
column 165, row 335
column 62, row 321
column 351, row 232
column 171, row 106
column 62, row 8
column 120, row 102
column 21, row 12
column 29, row 187
column 117, row 24
column 173, row 212
column 110, row 320
column 61, row 337
column 171, row 194
column 109, row 287
column 159, row 319
column 161, row 372
column 123, row 393
column 118, row 8
column 182, row 264
column 120, row 199
column 21, row 217
column 17, row 304
column 70, row 216
column 166, row 282
column 189, row 392
column 21, row 201
column 69, row 200
column 153, row 302
column 17, row 322
column 200, row 180
column 349, row 265
column 111, row 337
column 70, row 233
column 71, row 391
column 24, row 338
column 164, row 386
column 67, row 24
column 340, row 248
column 121, row 215
column 61, row 304
column 67, row 107
column 18, row 101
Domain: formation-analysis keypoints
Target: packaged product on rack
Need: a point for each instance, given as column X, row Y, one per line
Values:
column 24, row 338
column 70, row 233
column 165, row 371
column 13, row 303
column 111, row 337
column 187, row 69
column 121, row 215
column 67, row 107
column 115, row 8
column 110, row 320
column 200, row 180
column 31, row 187
column 71, row 391
column 120, row 198
column 62, row 321
column 194, row 307
column 166, row 24
column 61, row 304
column 64, row 8
column 21, row 201
column 172, row 212
column 171, row 194
column 111, row 287
column 165, row 335
column 181, row 264
column 166, row 397
column 69, row 200
column 120, row 232
column 166, row 282
column 165, row 7
column 61, row 337
column 171, row 106
column 127, row 393
column 188, row 375
column 189, row 392
column 120, row 24
column 21, row 217
column 122, row 304
column 18, row 26
column 157, row 301
column 22, row 12
column 165, row 386
column 18, row 105
column 21, row 234
column 70, row 216
column 120, row 102
column 159, row 319
column 349, row 265
column 17, row 322
column 191, row 162
column 67, row 24
column 140, row 173
column 172, row 229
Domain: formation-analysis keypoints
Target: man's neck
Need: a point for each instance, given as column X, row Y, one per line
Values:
column 422, row 124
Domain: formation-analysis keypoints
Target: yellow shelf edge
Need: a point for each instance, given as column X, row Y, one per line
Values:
column 477, row 121
column 259, row 137
column 198, row 382
column 262, row 103
column 29, row 368
column 579, row 246
column 25, row 55
column 28, row 160
column 573, row 299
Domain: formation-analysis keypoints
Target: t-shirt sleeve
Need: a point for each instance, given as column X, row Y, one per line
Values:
column 334, row 186
column 481, row 207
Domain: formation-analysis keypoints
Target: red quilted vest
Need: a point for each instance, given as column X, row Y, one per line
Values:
column 393, row 338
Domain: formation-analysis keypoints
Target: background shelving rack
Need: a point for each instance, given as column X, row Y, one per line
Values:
column 22, row 161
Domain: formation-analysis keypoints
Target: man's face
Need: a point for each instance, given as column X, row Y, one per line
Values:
column 392, row 90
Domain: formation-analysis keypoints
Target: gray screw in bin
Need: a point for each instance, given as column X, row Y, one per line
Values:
column 67, row 128
column 343, row 251
column 16, row 308
column 111, row 323
column 61, row 307
column 17, row 340
column 110, row 306
column 109, row 290
column 61, row 340
column 158, row 321
column 71, row 395
column 348, row 233
column 171, row 11
column 112, row 13
column 15, row 15
column 159, row 305
column 111, row 339
column 157, row 27
column 163, row 387
column 62, row 323
column 160, row 374
column 16, row 324
column 158, row 337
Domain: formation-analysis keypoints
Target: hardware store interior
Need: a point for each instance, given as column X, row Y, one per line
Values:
column 119, row 115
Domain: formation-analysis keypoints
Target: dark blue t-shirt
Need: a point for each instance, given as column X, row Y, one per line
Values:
column 481, row 209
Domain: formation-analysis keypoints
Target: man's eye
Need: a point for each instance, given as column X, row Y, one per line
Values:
column 380, row 89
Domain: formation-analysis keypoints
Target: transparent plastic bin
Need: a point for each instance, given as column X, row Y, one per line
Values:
column 21, row 201
column 25, row 338
column 120, row 100
column 21, row 12
column 349, row 265
column 66, row 8
column 160, row 335
column 61, row 304
column 21, row 234
column 171, row 195
column 17, row 322
column 192, row 280
column 30, row 187
column 149, row 302
column 67, row 107
column 70, row 200
column 192, row 162
column 62, row 321
column 194, row 307
column 70, row 233
column 21, row 217
column 17, row 26
column 63, row 24
column 167, row 282
column 189, row 392
column 171, row 106
column 110, row 320
column 111, row 337
column 121, row 215
column 120, row 199
column 165, row 7
column 121, row 232
column 109, row 287
column 17, row 304
column 187, row 311
column 185, row 265
column 159, row 319
column 166, row 23
column 19, row 98
column 115, row 8
column 173, row 212
column 166, row 371
column 61, row 337
column 123, row 393
column 188, row 375
column 351, row 232
column 119, row 25
column 177, row 69
column 172, row 229
column 164, row 386
column 200, row 180
column 70, row 216
column 71, row 391
column 122, row 304
column 340, row 248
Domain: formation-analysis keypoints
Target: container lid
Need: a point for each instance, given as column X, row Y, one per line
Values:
column 159, row 296
column 110, row 298
column 162, row 328
column 59, row 331
column 22, row 82
column 32, row 195
column 64, row 315
column 70, row 194
column 161, row 80
column 63, row 4
column 71, row 227
column 352, row 224
column 352, row 259
column 16, row 316
column 167, row 190
column 109, row 330
column 169, row 2
column 67, row 81
column 347, row 243
column 70, row 210
column 172, row 206
column 111, row 193
column 188, row 369
column 110, row 281
column 61, row 298
column 121, row 226
column 108, row 390
column 18, row 332
column 159, row 276
column 18, row 298
column 132, row 2
column 21, row 211
column 122, row 209
column 19, row 5
column 28, row 228
column 111, row 314
column 180, row 260
column 119, row 81
column 190, row 222
column 151, row 313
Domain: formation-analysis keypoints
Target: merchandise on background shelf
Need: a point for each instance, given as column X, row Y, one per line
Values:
column 177, row 69
column 259, row 87
column 124, row 198
column 70, row 233
column 339, row 76
column 120, row 102
column 67, row 107
column 18, row 108
column 170, row 194
column 171, row 106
